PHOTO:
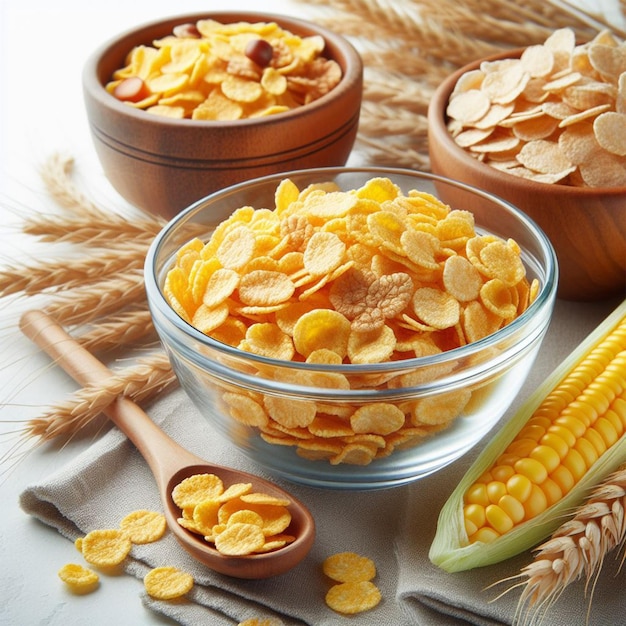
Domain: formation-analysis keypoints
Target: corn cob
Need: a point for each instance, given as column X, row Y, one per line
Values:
column 567, row 437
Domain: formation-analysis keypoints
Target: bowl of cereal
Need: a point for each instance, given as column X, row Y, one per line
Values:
column 343, row 326
column 184, row 106
column 545, row 128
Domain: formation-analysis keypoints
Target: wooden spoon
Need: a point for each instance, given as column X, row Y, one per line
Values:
column 170, row 463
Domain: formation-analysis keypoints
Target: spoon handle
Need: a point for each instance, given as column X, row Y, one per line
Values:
column 163, row 455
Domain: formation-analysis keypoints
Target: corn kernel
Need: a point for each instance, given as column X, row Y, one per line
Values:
column 552, row 490
column 495, row 490
column 470, row 527
column 616, row 422
column 519, row 487
column 537, row 502
column 533, row 469
column 507, row 459
column 484, row 535
column 595, row 439
column 556, row 443
column 502, row 473
column 563, row 478
column 610, row 381
column 485, row 478
column 581, row 410
column 475, row 513
column 498, row 519
column 477, row 494
column 563, row 394
column 564, row 433
column 521, row 447
column 547, row 456
column 587, row 451
column 619, row 406
column 598, row 397
column 575, row 464
column 538, row 421
column 532, row 431
column 512, row 507
column 606, row 431
column 573, row 424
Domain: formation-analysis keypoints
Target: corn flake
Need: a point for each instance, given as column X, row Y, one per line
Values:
column 346, row 567
column 106, row 547
column 167, row 583
column 143, row 526
column 78, row 578
column 353, row 597
column 196, row 488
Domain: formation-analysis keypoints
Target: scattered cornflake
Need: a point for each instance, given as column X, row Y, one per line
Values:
column 345, row 567
column 167, row 583
column 354, row 597
column 79, row 579
column 143, row 526
column 555, row 115
column 105, row 547
column 355, row 591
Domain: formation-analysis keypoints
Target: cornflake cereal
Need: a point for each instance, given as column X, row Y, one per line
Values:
column 214, row 71
column 236, row 520
column 109, row 547
column 555, row 115
column 143, row 526
column 106, row 547
column 167, row 583
column 79, row 579
column 355, row 591
column 333, row 277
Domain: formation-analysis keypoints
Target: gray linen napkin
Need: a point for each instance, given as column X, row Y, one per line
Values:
column 393, row 526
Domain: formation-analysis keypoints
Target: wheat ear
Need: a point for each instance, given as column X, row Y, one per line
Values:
column 576, row 549
column 86, row 304
column 40, row 276
column 141, row 382
column 126, row 328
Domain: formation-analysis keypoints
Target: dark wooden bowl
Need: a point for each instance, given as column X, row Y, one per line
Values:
column 587, row 226
column 163, row 165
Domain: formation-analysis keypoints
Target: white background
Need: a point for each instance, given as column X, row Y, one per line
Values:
column 43, row 46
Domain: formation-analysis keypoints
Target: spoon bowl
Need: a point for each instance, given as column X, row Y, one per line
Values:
column 170, row 463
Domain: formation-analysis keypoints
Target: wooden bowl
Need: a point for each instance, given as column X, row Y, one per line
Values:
column 163, row 165
column 587, row 226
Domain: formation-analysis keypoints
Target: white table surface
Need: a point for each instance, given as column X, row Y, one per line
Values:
column 43, row 44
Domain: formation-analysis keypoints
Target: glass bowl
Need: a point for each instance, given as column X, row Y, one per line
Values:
column 229, row 385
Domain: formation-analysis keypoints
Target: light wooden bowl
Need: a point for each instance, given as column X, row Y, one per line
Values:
column 163, row 165
column 587, row 226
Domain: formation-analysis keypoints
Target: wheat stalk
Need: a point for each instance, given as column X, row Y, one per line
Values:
column 575, row 550
column 58, row 274
column 103, row 231
column 126, row 328
column 143, row 381
column 82, row 305
column 56, row 175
